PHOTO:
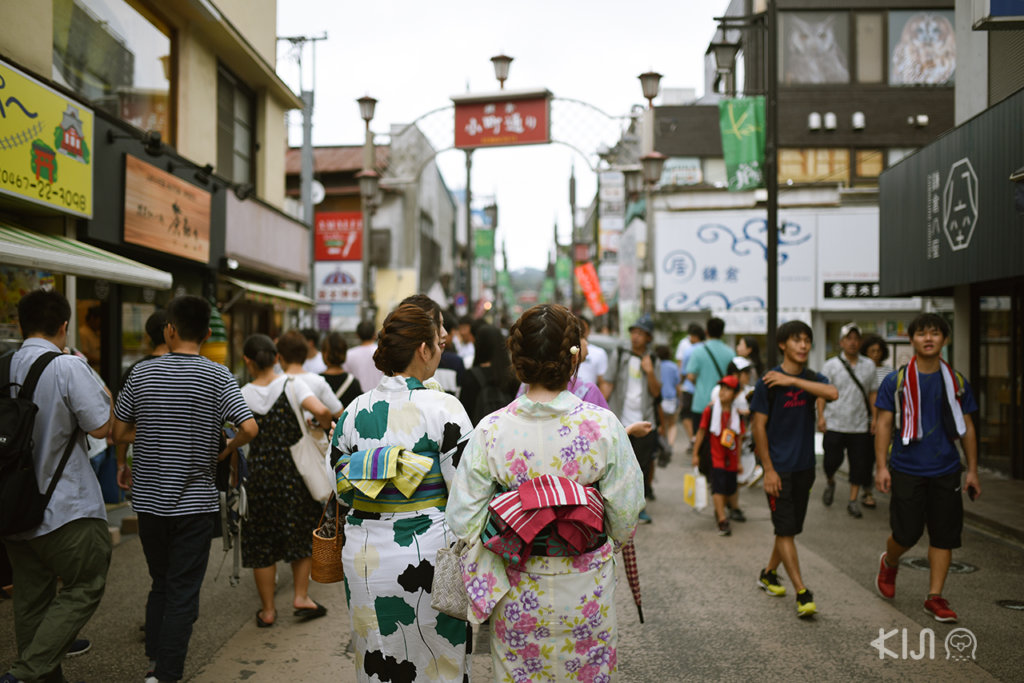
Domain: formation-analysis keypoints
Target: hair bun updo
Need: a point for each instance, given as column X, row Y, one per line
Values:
column 541, row 343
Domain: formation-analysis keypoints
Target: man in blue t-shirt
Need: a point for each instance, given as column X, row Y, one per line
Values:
column 783, row 427
column 930, row 405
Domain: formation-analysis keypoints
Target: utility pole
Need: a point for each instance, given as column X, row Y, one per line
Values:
column 306, row 170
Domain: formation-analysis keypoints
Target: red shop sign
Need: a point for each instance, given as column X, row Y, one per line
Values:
column 339, row 236
column 502, row 120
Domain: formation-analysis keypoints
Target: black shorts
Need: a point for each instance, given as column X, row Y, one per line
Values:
column 685, row 405
column 935, row 502
column 723, row 482
column 789, row 508
column 859, row 448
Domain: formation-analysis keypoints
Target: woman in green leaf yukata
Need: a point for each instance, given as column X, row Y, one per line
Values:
column 396, row 448
column 546, row 490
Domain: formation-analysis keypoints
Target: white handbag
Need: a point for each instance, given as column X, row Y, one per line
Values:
column 309, row 455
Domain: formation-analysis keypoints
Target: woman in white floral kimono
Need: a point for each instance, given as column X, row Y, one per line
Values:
column 549, row 592
column 396, row 449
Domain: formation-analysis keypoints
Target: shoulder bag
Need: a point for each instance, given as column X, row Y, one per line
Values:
column 863, row 393
column 309, row 455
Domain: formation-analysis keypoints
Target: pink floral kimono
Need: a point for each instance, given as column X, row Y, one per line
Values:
column 552, row 617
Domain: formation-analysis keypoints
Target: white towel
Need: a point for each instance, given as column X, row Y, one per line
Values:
column 716, row 418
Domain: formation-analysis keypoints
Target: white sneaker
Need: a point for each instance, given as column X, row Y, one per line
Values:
column 756, row 476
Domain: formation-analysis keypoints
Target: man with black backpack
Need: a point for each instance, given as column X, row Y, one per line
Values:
column 53, row 520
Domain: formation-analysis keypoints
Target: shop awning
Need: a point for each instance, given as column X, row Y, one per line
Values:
column 67, row 256
column 254, row 291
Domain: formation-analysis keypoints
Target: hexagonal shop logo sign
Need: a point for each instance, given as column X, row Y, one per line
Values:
column 960, row 204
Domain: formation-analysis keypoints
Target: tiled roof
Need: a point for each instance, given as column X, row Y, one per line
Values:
column 334, row 159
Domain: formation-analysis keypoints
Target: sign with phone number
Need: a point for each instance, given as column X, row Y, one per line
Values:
column 45, row 145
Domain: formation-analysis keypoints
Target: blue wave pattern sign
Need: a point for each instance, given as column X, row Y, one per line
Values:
column 716, row 261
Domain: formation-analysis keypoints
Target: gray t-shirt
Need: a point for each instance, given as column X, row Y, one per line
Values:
column 69, row 396
column 848, row 413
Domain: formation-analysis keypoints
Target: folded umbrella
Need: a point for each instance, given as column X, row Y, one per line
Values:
column 633, row 576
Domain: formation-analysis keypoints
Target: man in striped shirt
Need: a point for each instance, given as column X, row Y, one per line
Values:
column 173, row 409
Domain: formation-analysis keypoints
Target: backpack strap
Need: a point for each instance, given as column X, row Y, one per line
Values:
column 28, row 385
column 5, row 370
column 897, row 419
column 344, row 386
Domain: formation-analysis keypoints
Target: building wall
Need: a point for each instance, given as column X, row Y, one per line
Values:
column 197, row 97
column 972, row 65
column 20, row 32
column 257, row 21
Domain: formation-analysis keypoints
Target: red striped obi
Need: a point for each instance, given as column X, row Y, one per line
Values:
column 548, row 515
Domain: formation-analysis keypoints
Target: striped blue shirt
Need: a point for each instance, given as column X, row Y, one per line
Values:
column 179, row 404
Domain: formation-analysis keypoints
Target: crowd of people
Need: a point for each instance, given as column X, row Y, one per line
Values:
column 533, row 450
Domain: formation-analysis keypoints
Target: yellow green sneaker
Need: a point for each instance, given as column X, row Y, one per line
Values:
column 805, row 606
column 770, row 584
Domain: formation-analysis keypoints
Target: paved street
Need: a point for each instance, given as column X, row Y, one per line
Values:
column 705, row 618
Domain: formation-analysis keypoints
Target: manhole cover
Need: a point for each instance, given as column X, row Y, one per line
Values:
column 921, row 564
column 1011, row 604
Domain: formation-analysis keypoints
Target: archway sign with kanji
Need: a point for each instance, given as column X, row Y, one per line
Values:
column 502, row 119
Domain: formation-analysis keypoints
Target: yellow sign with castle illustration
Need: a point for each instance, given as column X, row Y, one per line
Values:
column 45, row 145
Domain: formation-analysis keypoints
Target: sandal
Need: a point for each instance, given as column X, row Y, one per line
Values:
column 869, row 500
column 308, row 613
column 259, row 621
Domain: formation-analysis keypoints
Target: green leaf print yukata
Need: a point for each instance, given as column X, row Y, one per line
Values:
column 391, row 540
column 552, row 618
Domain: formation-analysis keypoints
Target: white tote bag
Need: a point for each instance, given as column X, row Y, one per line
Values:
column 309, row 453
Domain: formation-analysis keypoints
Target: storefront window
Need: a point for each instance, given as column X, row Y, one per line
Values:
column 14, row 284
column 993, row 386
column 118, row 55
column 815, row 165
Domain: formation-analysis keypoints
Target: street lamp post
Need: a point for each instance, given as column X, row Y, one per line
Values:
column 725, row 57
column 653, row 163
column 368, row 182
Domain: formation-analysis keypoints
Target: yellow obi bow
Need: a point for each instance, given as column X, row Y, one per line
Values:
column 374, row 468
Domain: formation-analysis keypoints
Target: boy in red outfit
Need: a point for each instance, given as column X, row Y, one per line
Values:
column 720, row 423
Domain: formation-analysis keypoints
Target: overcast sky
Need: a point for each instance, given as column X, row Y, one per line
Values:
column 412, row 56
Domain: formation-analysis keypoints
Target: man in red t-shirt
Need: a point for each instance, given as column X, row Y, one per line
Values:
column 723, row 426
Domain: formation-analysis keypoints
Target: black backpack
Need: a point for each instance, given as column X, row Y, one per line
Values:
column 492, row 395
column 21, row 504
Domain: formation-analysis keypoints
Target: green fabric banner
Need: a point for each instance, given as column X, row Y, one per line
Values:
column 742, row 122
column 483, row 243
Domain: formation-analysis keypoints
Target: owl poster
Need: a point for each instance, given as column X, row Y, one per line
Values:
column 815, row 48
column 922, row 47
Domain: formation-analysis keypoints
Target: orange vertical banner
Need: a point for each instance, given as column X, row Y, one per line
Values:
column 586, row 275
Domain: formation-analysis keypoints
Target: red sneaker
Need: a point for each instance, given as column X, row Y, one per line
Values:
column 938, row 607
column 885, row 582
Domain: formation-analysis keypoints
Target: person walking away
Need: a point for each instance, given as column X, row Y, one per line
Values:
column 593, row 367
column 391, row 537
column 705, row 368
column 849, row 421
column 344, row 384
column 173, row 409
column 489, row 385
column 783, row 428
column 694, row 337
column 314, row 362
column 669, row 404
column 632, row 389
column 72, row 544
column 923, row 410
column 451, row 371
column 720, row 422
column 291, row 349
column 550, row 600
column 359, row 360
column 281, row 511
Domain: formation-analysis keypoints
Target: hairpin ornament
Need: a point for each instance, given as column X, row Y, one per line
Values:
column 574, row 350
